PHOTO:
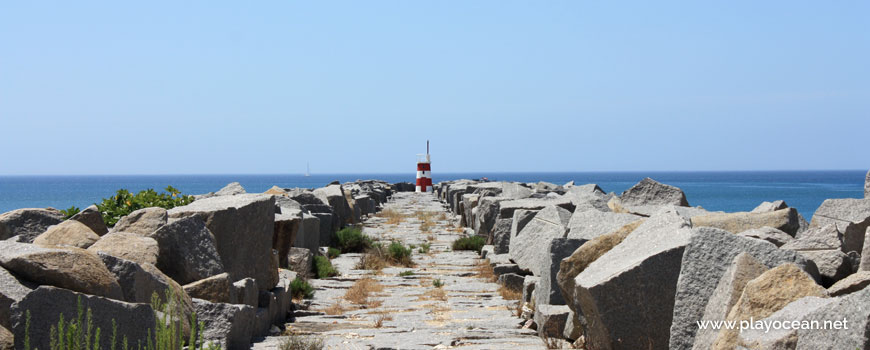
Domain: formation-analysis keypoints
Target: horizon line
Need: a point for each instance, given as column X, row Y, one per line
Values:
column 477, row 172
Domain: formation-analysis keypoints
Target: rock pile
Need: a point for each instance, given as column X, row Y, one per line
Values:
column 643, row 269
column 225, row 257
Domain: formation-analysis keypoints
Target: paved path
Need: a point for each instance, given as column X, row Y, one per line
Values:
column 470, row 315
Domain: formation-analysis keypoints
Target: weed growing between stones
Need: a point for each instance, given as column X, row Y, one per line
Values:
column 474, row 243
column 379, row 257
column 80, row 333
column 379, row 320
column 301, row 342
column 333, row 253
column 352, row 240
column 437, row 283
column 335, row 309
column 300, row 289
column 362, row 290
column 393, row 217
column 509, row 294
column 323, row 267
column 406, row 273
column 399, row 254
column 424, row 248
column 484, row 271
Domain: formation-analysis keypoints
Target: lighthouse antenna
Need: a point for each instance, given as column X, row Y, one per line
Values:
column 427, row 146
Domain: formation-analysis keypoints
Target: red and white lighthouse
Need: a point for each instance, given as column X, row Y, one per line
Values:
column 424, row 171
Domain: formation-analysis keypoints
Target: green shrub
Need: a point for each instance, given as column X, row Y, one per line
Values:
column 323, row 267
column 124, row 202
column 399, row 254
column 299, row 342
column 424, row 248
column 474, row 243
column 406, row 273
column 352, row 240
column 68, row 213
column 437, row 283
column 300, row 289
column 333, row 252
column 80, row 333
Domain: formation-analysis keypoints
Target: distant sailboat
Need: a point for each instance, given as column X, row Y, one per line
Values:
column 307, row 170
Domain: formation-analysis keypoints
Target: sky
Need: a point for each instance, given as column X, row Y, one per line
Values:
column 217, row 87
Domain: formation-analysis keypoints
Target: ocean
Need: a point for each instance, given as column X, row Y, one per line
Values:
column 725, row 191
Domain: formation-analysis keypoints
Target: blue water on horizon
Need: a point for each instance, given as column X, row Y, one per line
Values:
column 725, row 191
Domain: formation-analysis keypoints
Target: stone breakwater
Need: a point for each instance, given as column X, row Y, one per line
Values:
column 641, row 269
column 229, row 256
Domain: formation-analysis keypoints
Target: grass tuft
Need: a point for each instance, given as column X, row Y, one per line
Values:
column 474, row 243
column 323, row 267
column 300, row 289
column 352, row 240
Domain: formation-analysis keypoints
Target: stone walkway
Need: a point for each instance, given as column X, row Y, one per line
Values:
column 413, row 314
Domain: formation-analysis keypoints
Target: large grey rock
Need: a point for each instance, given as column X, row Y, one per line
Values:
column 140, row 282
column 242, row 226
column 855, row 309
column 466, row 205
column 93, row 219
column 229, row 325
column 743, row 269
column 506, row 208
column 287, row 225
column 521, row 218
column 833, row 265
column 852, row 217
column 46, row 304
column 487, row 214
column 707, row 257
column 244, row 292
column 69, row 233
column 867, row 186
column 551, row 320
column 547, row 290
column 865, row 258
column 765, row 295
column 853, row 283
column 590, row 224
column 646, row 196
column 501, row 235
column 817, row 238
column 308, row 236
column 327, row 233
column 529, row 284
column 785, row 220
column 300, row 260
column 28, row 223
column 187, row 250
column 231, row 189
column 770, row 234
column 614, row 291
column 143, row 221
column 512, row 281
column 129, row 246
column 765, row 207
column 778, row 338
column 12, row 290
column 531, row 244
column 334, row 196
column 70, row 268
column 215, row 289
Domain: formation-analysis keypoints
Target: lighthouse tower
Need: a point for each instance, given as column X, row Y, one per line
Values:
column 424, row 171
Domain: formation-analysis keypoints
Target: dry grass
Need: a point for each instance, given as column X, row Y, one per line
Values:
column 442, row 216
column 335, row 309
column 484, row 271
column 430, row 238
column 426, row 220
column 382, row 316
column 372, row 261
column 362, row 290
column 518, row 310
column 393, row 216
column 509, row 294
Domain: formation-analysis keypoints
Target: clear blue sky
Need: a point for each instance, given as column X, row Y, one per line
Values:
column 198, row 87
